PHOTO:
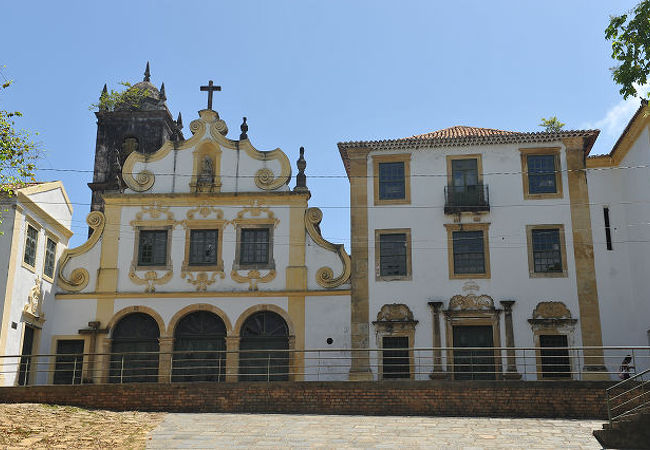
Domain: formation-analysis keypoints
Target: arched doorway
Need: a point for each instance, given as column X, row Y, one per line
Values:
column 263, row 344
column 134, row 350
column 199, row 348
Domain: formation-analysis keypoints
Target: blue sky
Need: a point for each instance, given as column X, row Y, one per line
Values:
column 312, row 73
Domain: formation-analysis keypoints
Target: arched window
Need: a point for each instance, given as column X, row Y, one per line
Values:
column 199, row 348
column 134, row 350
column 263, row 344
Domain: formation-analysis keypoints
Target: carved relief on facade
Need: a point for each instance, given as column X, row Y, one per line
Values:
column 471, row 302
column 34, row 307
column 253, row 277
column 155, row 212
column 551, row 310
column 201, row 280
column 150, row 279
column 395, row 312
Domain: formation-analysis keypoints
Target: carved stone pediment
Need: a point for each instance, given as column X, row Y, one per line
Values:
column 471, row 302
column 395, row 312
column 551, row 310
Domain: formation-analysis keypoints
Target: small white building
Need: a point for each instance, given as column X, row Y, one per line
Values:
column 36, row 222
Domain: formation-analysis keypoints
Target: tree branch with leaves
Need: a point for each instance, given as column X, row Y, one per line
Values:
column 630, row 36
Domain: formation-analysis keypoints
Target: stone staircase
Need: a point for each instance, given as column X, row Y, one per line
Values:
column 631, row 431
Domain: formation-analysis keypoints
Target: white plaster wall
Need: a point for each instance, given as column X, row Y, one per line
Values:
column 88, row 261
column 317, row 257
column 127, row 251
column 508, row 218
column 237, row 170
column 327, row 317
column 622, row 272
column 24, row 280
column 54, row 203
column 8, row 215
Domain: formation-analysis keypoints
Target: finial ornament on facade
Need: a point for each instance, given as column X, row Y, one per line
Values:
column 179, row 121
column 163, row 96
column 301, row 178
column 147, row 73
column 244, row 129
column 102, row 96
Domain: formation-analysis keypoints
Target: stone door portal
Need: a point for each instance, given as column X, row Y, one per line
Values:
column 474, row 363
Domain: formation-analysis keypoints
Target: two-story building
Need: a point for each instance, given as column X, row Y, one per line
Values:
column 35, row 227
column 473, row 237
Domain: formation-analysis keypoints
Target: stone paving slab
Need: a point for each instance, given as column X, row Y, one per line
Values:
column 320, row 431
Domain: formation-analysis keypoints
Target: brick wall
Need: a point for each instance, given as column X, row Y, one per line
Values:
column 561, row 399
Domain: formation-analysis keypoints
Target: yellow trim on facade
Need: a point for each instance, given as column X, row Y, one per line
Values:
column 557, row 153
column 599, row 161
column 398, row 157
column 11, row 273
column 219, row 199
column 79, row 277
column 484, row 227
column 531, row 259
column 192, row 294
column 583, row 250
column 325, row 275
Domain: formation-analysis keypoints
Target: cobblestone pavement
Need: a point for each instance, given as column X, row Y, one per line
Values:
column 305, row 431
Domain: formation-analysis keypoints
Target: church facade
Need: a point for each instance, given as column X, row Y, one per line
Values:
column 201, row 246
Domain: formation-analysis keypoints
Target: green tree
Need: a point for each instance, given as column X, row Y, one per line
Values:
column 551, row 124
column 130, row 97
column 630, row 36
column 18, row 152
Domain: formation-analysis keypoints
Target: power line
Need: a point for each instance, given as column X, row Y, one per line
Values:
column 326, row 176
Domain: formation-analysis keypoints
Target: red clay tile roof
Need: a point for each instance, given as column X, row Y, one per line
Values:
column 463, row 136
column 461, row 131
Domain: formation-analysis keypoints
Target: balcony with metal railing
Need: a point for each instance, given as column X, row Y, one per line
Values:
column 467, row 198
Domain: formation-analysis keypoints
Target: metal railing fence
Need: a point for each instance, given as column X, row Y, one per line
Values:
column 629, row 396
column 459, row 363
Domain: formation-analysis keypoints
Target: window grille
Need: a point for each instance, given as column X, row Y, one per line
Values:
column 547, row 253
column 254, row 246
column 31, row 241
column 152, row 249
column 50, row 256
column 203, row 247
column 392, row 255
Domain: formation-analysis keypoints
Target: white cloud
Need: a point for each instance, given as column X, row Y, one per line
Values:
column 615, row 120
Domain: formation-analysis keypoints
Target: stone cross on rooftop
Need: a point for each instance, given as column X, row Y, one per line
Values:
column 210, row 88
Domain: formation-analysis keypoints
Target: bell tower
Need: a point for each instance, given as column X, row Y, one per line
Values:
column 139, row 123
